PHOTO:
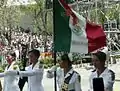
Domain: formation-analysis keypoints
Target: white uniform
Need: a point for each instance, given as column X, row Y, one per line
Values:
column 108, row 79
column 10, row 81
column 69, row 82
column 35, row 76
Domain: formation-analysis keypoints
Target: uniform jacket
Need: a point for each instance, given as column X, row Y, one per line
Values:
column 69, row 82
column 10, row 81
column 35, row 76
column 108, row 79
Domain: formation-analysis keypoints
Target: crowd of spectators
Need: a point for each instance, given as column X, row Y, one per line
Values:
column 22, row 42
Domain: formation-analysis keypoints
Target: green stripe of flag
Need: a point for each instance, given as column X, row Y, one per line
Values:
column 62, row 32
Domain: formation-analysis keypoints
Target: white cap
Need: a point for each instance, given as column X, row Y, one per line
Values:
column 105, row 50
column 70, row 56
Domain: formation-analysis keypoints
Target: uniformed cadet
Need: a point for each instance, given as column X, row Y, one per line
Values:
column 10, row 81
column 34, row 72
column 101, row 71
column 67, row 78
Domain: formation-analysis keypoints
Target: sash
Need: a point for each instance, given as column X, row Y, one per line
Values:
column 64, row 87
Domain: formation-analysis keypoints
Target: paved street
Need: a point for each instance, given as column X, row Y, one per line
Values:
column 49, row 83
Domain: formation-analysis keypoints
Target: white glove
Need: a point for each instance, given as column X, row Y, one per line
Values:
column 50, row 74
column 2, row 74
column 53, row 68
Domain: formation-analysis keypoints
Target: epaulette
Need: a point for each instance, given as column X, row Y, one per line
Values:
column 76, row 72
column 94, row 70
column 112, row 75
column 79, row 77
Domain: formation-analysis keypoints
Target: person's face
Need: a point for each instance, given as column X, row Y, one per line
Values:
column 63, row 64
column 9, row 59
column 32, row 57
column 96, row 62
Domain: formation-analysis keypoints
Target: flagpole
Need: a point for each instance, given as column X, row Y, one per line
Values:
column 54, row 55
column 55, row 83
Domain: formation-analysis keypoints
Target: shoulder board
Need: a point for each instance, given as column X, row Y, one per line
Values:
column 75, row 72
column 111, row 71
column 94, row 70
column 112, row 74
column 79, row 77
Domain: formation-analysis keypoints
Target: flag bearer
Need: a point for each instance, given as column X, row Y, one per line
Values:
column 67, row 78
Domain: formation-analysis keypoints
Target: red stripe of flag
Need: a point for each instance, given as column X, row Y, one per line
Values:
column 69, row 11
column 96, row 36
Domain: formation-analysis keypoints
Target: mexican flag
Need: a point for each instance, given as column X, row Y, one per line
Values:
column 73, row 33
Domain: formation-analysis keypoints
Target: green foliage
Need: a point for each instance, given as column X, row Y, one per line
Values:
column 113, row 12
column 48, row 62
column 76, row 56
column 9, row 17
column 50, row 23
column 2, row 67
column 20, row 63
column 42, row 19
column 29, row 8
column 93, row 15
column 102, row 13
column 45, row 66
column 117, row 57
column 42, row 22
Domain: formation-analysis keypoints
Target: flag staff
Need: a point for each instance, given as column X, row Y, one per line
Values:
column 54, row 54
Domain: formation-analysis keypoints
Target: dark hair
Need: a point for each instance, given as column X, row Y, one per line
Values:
column 35, row 52
column 100, row 55
column 65, row 57
column 13, row 54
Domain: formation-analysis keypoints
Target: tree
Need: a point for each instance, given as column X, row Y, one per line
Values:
column 105, row 11
column 39, row 13
column 41, row 18
column 9, row 17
